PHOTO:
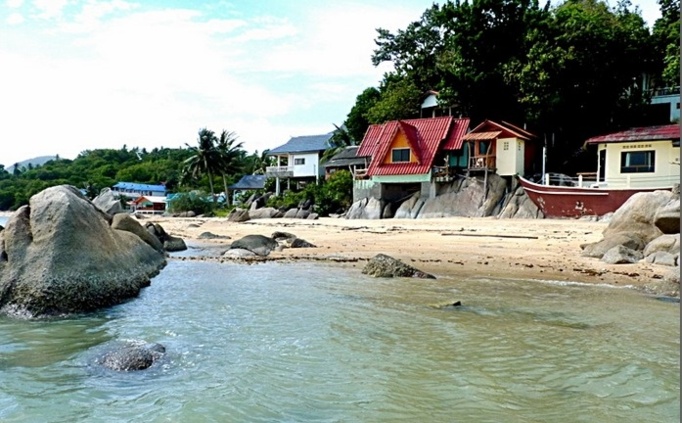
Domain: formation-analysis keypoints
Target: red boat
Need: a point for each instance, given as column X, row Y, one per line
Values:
column 572, row 201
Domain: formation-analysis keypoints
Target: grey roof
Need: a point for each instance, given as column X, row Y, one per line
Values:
column 250, row 182
column 302, row 144
column 346, row 157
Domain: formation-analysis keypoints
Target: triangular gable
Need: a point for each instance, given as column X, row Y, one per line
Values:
column 506, row 132
column 412, row 138
column 425, row 138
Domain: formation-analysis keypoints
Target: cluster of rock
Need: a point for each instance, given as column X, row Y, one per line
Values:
column 62, row 254
column 646, row 227
column 255, row 208
column 253, row 246
column 467, row 197
column 384, row 266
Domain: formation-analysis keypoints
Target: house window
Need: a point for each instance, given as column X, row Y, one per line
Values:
column 300, row 161
column 505, row 145
column 400, row 155
column 637, row 161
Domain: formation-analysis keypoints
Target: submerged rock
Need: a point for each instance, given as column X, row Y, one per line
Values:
column 384, row 266
column 136, row 356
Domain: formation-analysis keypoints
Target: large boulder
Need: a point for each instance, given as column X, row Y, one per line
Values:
column 238, row 215
column 264, row 213
column 170, row 242
column 384, row 266
column 59, row 255
column 124, row 222
column 632, row 225
column 366, row 208
column 108, row 202
column 258, row 244
column 519, row 206
column 667, row 218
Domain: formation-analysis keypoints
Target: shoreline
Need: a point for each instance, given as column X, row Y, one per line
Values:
column 530, row 249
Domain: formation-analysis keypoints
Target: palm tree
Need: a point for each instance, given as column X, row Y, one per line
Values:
column 338, row 141
column 229, row 154
column 260, row 162
column 206, row 159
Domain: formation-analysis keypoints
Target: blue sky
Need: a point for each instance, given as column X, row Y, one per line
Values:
column 78, row 75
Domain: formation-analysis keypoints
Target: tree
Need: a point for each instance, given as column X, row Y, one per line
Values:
column 205, row 158
column 666, row 34
column 357, row 121
column 229, row 154
column 339, row 140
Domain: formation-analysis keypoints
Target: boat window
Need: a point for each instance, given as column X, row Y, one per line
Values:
column 637, row 161
column 400, row 155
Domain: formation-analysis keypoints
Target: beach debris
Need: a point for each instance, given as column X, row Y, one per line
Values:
column 384, row 266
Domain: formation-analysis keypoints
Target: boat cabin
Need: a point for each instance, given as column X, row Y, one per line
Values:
column 642, row 157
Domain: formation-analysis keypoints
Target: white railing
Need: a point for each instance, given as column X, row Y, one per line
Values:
column 279, row 169
column 584, row 180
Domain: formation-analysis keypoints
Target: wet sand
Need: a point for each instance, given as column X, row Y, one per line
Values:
column 547, row 249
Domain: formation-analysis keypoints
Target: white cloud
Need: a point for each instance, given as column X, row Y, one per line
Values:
column 14, row 4
column 50, row 9
column 15, row 19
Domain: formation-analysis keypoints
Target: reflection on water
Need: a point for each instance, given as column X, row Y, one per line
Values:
column 303, row 342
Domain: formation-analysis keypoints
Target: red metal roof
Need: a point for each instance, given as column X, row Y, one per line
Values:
column 425, row 136
column 647, row 133
column 506, row 128
column 455, row 137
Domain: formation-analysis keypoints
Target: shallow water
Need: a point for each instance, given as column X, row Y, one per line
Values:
column 308, row 342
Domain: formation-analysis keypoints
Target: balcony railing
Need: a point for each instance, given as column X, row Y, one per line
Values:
column 280, row 171
column 482, row 162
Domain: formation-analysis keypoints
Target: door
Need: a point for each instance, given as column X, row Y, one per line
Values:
column 602, row 165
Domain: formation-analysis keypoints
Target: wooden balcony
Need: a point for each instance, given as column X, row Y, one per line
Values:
column 482, row 163
column 360, row 174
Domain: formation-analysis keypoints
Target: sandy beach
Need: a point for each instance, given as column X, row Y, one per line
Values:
column 546, row 249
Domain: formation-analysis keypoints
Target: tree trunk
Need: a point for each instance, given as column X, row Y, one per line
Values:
column 227, row 197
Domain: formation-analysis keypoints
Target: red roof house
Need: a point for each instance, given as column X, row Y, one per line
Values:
column 410, row 146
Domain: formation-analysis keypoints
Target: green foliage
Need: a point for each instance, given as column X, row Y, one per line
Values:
column 357, row 121
column 196, row 201
column 666, row 35
column 515, row 60
column 400, row 98
column 94, row 170
column 334, row 195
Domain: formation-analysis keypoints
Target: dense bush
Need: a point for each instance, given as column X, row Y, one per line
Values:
column 333, row 195
column 196, row 201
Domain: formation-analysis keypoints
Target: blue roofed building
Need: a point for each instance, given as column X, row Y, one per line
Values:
column 134, row 190
column 299, row 160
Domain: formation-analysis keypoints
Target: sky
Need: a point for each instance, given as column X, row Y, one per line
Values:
column 79, row 75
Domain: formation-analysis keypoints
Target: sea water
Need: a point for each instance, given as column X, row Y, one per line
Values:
column 310, row 342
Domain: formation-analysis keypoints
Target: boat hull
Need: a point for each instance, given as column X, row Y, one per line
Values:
column 560, row 201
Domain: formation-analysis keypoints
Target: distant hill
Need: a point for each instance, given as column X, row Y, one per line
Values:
column 36, row 161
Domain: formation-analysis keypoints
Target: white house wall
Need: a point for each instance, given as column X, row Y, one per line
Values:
column 666, row 165
column 509, row 161
column 311, row 167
